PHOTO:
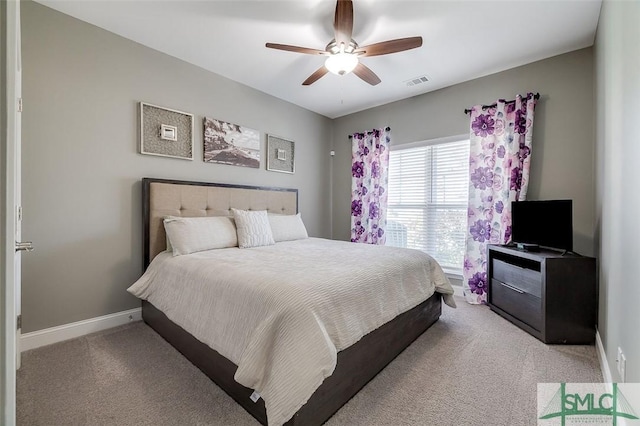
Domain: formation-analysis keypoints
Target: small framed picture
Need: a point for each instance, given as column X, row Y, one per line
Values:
column 280, row 155
column 169, row 133
column 165, row 132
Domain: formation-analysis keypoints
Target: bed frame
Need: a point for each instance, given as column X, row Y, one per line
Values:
column 356, row 365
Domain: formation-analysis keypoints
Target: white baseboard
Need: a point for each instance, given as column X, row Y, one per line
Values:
column 457, row 290
column 60, row 333
column 602, row 357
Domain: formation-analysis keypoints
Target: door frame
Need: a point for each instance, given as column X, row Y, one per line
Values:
column 10, row 85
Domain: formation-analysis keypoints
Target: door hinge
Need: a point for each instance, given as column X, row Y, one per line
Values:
column 19, row 104
column 19, row 213
column 19, row 322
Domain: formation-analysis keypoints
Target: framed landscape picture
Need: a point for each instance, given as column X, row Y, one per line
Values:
column 232, row 144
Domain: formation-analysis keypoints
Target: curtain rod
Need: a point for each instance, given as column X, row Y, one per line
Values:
column 468, row 110
column 386, row 128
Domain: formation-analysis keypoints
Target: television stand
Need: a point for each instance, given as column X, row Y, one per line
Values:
column 548, row 294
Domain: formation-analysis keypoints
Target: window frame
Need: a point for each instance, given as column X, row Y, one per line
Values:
column 431, row 142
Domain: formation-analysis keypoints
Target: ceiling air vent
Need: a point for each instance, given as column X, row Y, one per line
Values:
column 416, row 80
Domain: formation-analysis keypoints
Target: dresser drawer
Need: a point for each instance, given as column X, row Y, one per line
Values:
column 527, row 280
column 520, row 304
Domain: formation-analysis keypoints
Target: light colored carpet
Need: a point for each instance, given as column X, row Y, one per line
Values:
column 470, row 368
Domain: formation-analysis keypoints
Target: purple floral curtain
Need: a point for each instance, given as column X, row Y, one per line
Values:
column 499, row 171
column 369, row 168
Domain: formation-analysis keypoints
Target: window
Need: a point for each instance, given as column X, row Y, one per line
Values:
column 428, row 197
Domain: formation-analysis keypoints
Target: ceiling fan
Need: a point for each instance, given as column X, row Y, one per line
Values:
column 343, row 52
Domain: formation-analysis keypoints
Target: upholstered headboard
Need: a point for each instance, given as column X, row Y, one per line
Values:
column 162, row 197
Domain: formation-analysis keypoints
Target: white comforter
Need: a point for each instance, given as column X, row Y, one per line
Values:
column 281, row 313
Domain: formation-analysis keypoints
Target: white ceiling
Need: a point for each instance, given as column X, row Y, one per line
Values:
column 463, row 40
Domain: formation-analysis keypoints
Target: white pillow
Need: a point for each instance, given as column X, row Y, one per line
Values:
column 253, row 228
column 287, row 227
column 169, row 248
column 191, row 234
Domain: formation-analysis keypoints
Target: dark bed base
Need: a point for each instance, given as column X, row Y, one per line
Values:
column 356, row 365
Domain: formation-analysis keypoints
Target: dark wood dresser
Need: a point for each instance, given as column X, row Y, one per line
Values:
column 549, row 295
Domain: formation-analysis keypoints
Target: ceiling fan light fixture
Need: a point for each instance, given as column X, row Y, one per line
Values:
column 343, row 52
column 341, row 63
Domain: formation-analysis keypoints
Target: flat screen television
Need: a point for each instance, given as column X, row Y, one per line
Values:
column 543, row 223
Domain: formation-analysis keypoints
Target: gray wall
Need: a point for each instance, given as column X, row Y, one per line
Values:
column 563, row 137
column 617, row 64
column 81, row 173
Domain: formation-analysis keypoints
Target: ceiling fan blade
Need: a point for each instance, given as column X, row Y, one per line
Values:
column 390, row 46
column 366, row 74
column 320, row 72
column 343, row 22
column 296, row 49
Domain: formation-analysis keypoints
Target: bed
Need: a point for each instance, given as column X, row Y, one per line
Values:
column 354, row 363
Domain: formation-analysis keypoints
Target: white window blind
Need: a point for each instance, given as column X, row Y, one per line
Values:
column 428, row 196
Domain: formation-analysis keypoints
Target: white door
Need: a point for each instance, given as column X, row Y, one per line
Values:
column 17, row 184
column 12, row 215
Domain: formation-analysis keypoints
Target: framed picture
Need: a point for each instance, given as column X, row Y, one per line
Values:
column 228, row 143
column 165, row 132
column 280, row 155
column 169, row 133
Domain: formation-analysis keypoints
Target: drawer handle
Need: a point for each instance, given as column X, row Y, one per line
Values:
column 516, row 289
